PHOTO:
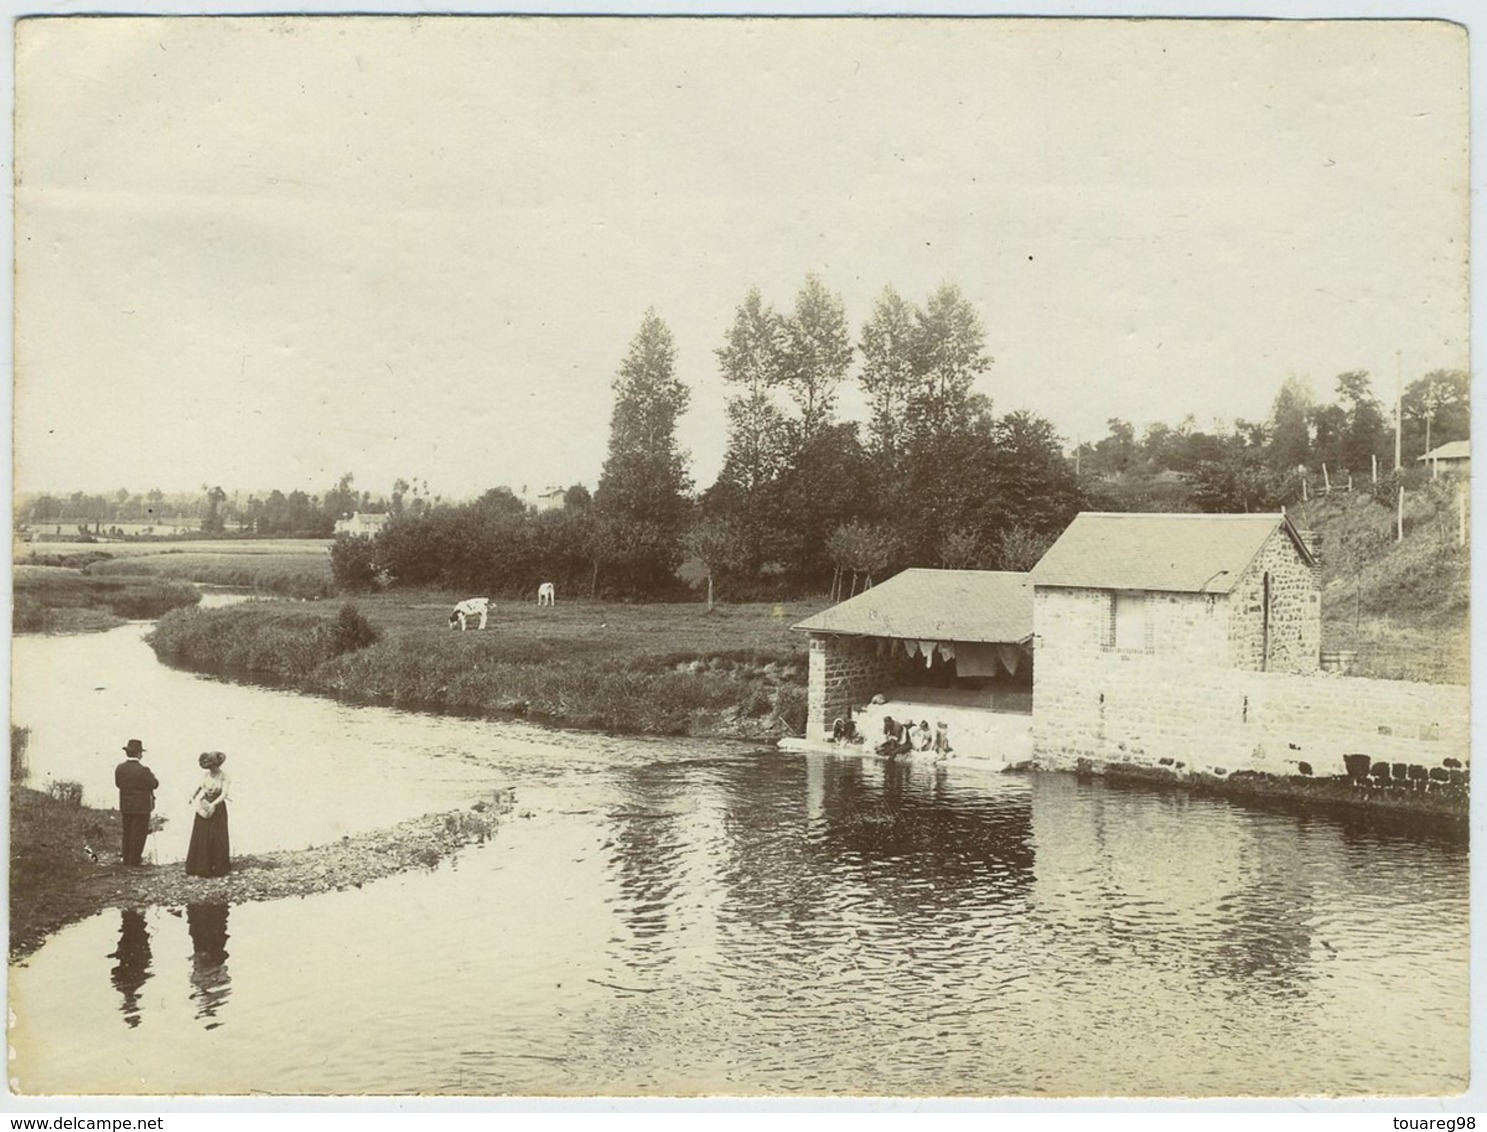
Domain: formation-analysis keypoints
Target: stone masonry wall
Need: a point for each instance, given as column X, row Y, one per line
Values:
column 1295, row 611
column 844, row 672
column 1077, row 622
column 1114, row 708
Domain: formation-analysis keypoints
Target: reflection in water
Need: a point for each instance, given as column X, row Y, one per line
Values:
column 133, row 968
column 210, row 982
column 706, row 919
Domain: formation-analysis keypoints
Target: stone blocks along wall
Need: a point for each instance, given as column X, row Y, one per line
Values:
column 846, row 672
column 1147, row 712
column 1295, row 611
column 1072, row 623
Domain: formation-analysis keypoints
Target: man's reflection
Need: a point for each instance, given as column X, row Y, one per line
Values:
column 210, row 981
column 133, row 967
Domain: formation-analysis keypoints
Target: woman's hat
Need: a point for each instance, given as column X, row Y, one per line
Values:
column 134, row 747
column 210, row 760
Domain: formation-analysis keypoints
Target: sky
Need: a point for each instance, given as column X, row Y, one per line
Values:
column 265, row 252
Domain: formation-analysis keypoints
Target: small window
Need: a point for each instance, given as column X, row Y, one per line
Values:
column 1129, row 616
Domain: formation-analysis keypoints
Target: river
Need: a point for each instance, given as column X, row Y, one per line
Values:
column 687, row 917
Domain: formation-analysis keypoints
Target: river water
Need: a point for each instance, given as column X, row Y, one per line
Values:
column 685, row 917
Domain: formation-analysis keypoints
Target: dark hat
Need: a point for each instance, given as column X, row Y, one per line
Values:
column 134, row 747
column 209, row 760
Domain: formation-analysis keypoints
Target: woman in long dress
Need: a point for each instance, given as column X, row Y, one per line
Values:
column 210, row 854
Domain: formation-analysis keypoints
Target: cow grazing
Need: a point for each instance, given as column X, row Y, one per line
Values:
column 546, row 595
column 469, row 608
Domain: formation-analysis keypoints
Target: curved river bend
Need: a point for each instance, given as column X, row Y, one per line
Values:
column 681, row 917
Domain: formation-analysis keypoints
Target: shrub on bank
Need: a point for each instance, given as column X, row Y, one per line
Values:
column 264, row 639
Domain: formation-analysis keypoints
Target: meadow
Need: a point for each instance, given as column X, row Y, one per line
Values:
column 293, row 574
column 655, row 669
column 53, row 599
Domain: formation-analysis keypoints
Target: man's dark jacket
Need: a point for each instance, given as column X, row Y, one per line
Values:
column 136, row 783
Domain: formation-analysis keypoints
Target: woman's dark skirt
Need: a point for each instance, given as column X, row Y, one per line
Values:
column 209, row 855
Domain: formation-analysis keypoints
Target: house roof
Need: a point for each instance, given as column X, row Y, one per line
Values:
column 989, row 606
column 1169, row 552
column 1455, row 450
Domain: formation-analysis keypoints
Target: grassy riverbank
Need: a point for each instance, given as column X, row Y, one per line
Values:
column 294, row 574
column 648, row 669
column 53, row 599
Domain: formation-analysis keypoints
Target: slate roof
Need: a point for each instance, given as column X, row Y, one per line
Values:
column 1166, row 552
column 1455, row 450
column 990, row 606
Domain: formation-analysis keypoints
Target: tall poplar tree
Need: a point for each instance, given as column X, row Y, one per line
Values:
column 642, row 495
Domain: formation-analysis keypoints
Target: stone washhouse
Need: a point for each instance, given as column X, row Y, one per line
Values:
column 947, row 648
column 1163, row 645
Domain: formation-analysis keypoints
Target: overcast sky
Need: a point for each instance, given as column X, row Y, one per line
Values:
column 263, row 252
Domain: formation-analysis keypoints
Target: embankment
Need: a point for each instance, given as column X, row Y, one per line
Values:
column 569, row 669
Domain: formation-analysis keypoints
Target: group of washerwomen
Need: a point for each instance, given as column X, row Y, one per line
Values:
column 899, row 738
column 209, row 854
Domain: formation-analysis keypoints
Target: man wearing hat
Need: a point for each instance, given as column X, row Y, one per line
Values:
column 136, row 785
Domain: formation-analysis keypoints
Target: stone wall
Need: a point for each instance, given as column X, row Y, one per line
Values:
column 845, row 672
column 1077, row 622
column 1147, row 712
column 1295, row 611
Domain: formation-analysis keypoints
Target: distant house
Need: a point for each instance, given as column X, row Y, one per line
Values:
column 1454, row 458
column 1232, row 591
column 937, row 645
column 362, row 524
column 549, row 499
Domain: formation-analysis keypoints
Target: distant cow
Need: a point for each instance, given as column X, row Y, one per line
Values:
column 469, row 608
column 546, row 595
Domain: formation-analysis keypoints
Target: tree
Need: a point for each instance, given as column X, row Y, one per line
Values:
column 718, row 545
column 817, row 352
column 1364, row 434
column 1437, row 410
column 888, row 365
column 751, row 360
column 644, row 484
column 1290, row 425
column 212, row 522
column 951, row 354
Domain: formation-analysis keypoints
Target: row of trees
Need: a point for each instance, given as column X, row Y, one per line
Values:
column 804, row 499
column 1262, row 465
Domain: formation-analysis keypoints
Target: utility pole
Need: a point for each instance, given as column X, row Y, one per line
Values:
column 1398, row 405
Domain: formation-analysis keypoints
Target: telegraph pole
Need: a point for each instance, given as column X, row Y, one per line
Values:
column 1398, row 405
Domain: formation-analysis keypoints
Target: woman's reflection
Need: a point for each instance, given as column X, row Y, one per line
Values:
column 210, row 981
column 133, row 968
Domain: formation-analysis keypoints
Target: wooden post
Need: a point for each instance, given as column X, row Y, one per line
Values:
column 1350, row 481
column 1326, row 480
column 1304, row 496
column 1399, row 518
column 1375, row 467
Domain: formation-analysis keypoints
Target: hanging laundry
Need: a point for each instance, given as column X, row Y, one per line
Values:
column 976, row 660
column 947, row 651
column 1010, row 656
column 928, row 649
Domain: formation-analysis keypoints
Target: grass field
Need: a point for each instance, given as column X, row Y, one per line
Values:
column 50, row 599
column 290, row 574
column 291, row 546
column 659, row 669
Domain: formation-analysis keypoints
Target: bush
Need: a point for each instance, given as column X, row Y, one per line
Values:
column 353, row 631
column 20, row 738
column 67, row 792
